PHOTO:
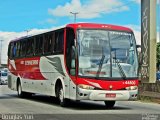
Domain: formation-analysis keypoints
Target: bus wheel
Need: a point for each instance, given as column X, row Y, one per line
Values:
column 62, row 100
column 19, row 90
column 109, row 104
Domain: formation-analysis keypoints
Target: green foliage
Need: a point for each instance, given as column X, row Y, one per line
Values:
column 158, row 53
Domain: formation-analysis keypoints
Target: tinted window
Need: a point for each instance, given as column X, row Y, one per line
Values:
column 38, row 45
column 30, row 47
column 10, row 50
column 23, row 48
column 59, row 40
column 48, row 43
column 70, row 36
column 18, row 46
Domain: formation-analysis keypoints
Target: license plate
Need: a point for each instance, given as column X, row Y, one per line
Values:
column 110, row 95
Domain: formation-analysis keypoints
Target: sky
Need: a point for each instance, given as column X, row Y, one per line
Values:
column 25, row 17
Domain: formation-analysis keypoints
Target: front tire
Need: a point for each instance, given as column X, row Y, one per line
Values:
column 109, row 104
column 63, row 102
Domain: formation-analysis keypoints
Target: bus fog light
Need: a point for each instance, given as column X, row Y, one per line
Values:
column 132, row 88
column 86, row 87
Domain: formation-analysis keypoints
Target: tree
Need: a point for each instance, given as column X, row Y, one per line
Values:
column 158, row 54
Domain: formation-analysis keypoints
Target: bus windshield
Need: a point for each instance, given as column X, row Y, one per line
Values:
column 107, row 54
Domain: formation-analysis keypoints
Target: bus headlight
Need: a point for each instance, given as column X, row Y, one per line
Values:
column 88, row 87
column 132, row 88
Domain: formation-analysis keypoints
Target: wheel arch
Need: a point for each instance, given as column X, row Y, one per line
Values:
column 17, row 82
column 59, row 82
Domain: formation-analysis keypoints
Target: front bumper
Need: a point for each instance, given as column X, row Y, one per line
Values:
column 100, row 95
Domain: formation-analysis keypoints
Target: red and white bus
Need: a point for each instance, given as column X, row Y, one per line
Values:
column 81, row 61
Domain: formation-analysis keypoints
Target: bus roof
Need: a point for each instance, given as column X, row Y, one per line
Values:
column 99, row 26
column 82, row 25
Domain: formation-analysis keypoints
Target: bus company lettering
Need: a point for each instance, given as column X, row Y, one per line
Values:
column 31, row 62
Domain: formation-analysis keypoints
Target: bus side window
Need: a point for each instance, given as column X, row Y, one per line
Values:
column 30, row 47
column 59, row 37
column 38, row 45
column 70, row 51
column 23, row 48
column 14, row 50
column 48, row 43
column 10, row 50
column 53, row 42
column 18, row 45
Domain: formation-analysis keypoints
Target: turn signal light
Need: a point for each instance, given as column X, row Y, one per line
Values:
column 132, row 88
column 86, row 87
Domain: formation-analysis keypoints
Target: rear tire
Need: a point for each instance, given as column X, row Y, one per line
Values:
column 109, row 104
column 19, row 90
column 20, row 93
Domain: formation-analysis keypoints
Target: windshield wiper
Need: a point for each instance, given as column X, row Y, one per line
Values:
column 100, row 66
column 121, row 69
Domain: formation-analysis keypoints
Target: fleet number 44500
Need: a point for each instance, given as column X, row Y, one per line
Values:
column 130, row 82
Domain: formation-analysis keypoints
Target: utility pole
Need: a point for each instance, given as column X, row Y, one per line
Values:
column 148, row 40
column 27, row 31
column 75, row 15
column 1, row 53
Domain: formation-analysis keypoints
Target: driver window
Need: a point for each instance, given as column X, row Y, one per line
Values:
column 70, row 51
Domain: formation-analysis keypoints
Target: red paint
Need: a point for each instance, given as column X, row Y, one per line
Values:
column 27, row 68
column 99, row 26
column 105, row 84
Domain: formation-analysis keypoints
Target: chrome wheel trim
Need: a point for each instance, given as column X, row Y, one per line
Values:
column 19, row 89
column 61, row 95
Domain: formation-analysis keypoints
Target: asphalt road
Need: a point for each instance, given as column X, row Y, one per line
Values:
column 40, row 107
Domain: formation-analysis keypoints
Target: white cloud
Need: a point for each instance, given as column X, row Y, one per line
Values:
column 88, row 9
column 6, row 37
column 49, row 20
column 137, row 32
column 134, row 27
column 137, row 36
column 137, row 1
